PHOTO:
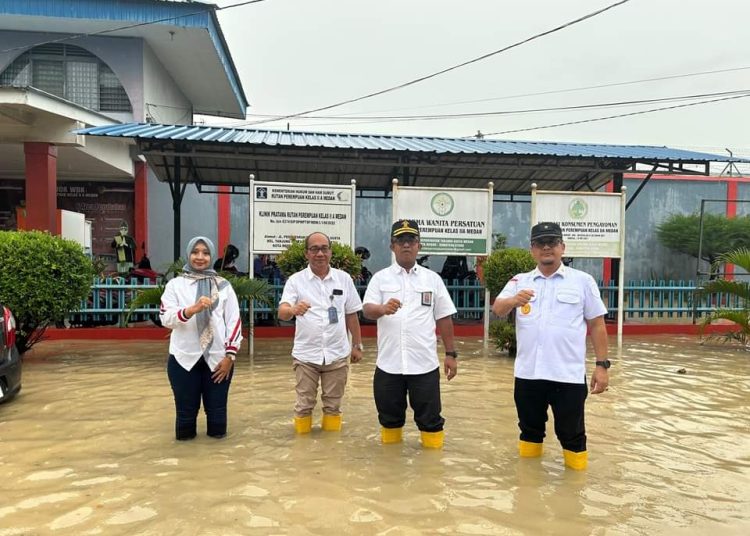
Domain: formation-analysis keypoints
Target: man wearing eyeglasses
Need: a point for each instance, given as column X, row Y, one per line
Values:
column 325, row 304
column 408, row 301
column 555, row 305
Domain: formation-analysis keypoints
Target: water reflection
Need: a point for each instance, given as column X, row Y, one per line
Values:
column 87, row 448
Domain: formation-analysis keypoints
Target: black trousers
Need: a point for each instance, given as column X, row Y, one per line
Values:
column 567, row 400
column 423, row 390
column 188, row 388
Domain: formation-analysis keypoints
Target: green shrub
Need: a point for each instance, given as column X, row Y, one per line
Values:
column 292, row 259
column 503, row 264
column 43, row 278
column 503, row 335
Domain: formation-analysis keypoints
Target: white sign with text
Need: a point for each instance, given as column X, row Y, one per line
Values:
column 285, row 211
column 452, row 221
column 591, row 222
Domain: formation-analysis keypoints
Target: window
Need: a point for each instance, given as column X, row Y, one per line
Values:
column 69, row 72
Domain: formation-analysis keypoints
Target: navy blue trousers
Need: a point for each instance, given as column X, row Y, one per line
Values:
column 533, row 397
column 189, row 387
column 424, row 397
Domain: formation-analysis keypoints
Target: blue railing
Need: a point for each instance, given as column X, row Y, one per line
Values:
column 110, row 298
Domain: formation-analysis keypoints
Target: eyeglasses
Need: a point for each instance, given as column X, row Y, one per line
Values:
column 403, row 240
column 318, row 249
column 544, row 242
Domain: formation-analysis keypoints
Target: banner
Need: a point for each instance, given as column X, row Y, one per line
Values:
column 285, row 211
column 591, row 222
column 453, row 221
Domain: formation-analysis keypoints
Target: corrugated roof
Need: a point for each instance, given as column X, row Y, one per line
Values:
column 210, row 155
column 415, row 144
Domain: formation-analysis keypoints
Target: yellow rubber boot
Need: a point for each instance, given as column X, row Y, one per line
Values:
column 303, row 425
column 527, row 449
column 576, row 460
column 432, row 440
column 390, row 435
column 331, row 423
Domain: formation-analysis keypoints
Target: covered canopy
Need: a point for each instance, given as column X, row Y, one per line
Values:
column 210, row 156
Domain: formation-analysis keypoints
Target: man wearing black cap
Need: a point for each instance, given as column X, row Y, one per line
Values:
column 408, row 301
column 555, row 305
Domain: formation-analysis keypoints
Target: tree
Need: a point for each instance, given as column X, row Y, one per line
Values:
column 44, row 277
column 720, row 235
column 740, row 289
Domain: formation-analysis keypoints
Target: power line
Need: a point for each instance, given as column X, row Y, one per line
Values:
column 377, row 119
column 567, row 90
column 592, row 120
column 452, row 68
column 129, row 26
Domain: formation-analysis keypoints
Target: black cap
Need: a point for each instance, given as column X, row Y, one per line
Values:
column 546, row 229
column 402, row 227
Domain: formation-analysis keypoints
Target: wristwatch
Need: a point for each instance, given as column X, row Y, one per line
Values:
column 452, row 354
column 231, row 356
column 606, row 363
column 358, row 346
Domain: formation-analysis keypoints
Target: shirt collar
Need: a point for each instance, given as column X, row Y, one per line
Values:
column 311, row 275
column 560, row 271
column 397, row 269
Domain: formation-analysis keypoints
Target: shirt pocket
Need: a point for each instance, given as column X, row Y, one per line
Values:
column 529, row 311
column 568, row 307
column 390, row 291
column 424, row 297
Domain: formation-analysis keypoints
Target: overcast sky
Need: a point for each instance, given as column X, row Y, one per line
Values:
column 295, row 55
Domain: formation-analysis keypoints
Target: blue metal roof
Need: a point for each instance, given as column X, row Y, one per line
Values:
column 416, row 144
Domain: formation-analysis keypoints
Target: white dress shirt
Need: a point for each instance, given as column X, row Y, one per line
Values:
column 407, row 343
column 184, row 342
column 551, row 328
column 316, row 339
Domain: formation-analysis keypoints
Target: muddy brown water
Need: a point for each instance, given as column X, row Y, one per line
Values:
column 87, row 448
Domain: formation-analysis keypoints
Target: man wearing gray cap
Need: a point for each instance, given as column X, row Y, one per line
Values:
column 555, row 305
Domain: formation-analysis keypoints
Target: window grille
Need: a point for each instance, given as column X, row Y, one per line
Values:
column 70, row 72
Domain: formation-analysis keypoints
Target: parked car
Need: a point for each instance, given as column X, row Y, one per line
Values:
column 10, row 360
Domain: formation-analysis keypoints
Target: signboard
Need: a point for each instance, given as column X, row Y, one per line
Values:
column 453, row 221
column 282, row 211
column 591, row 223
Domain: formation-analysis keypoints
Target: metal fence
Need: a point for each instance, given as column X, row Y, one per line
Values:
column 109, row 301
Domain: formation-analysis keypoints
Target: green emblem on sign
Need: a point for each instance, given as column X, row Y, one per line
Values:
column 442, row 204
column 578, row 208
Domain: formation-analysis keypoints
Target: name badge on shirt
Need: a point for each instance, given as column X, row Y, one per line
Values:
column 427, row 298
column 338, row 292
column 333, row 315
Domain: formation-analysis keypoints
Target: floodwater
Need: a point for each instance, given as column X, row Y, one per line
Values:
column 87, row 448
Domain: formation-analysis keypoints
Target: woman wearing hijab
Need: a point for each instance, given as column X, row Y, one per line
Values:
column 202, row 311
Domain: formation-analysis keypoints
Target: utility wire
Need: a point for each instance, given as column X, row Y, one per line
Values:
column 386, row 118
column 558, row 91
column 592, row 120
column 452, row 68
column 129, row 26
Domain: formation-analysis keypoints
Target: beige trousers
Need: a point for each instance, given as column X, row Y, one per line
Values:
column 332, row 379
